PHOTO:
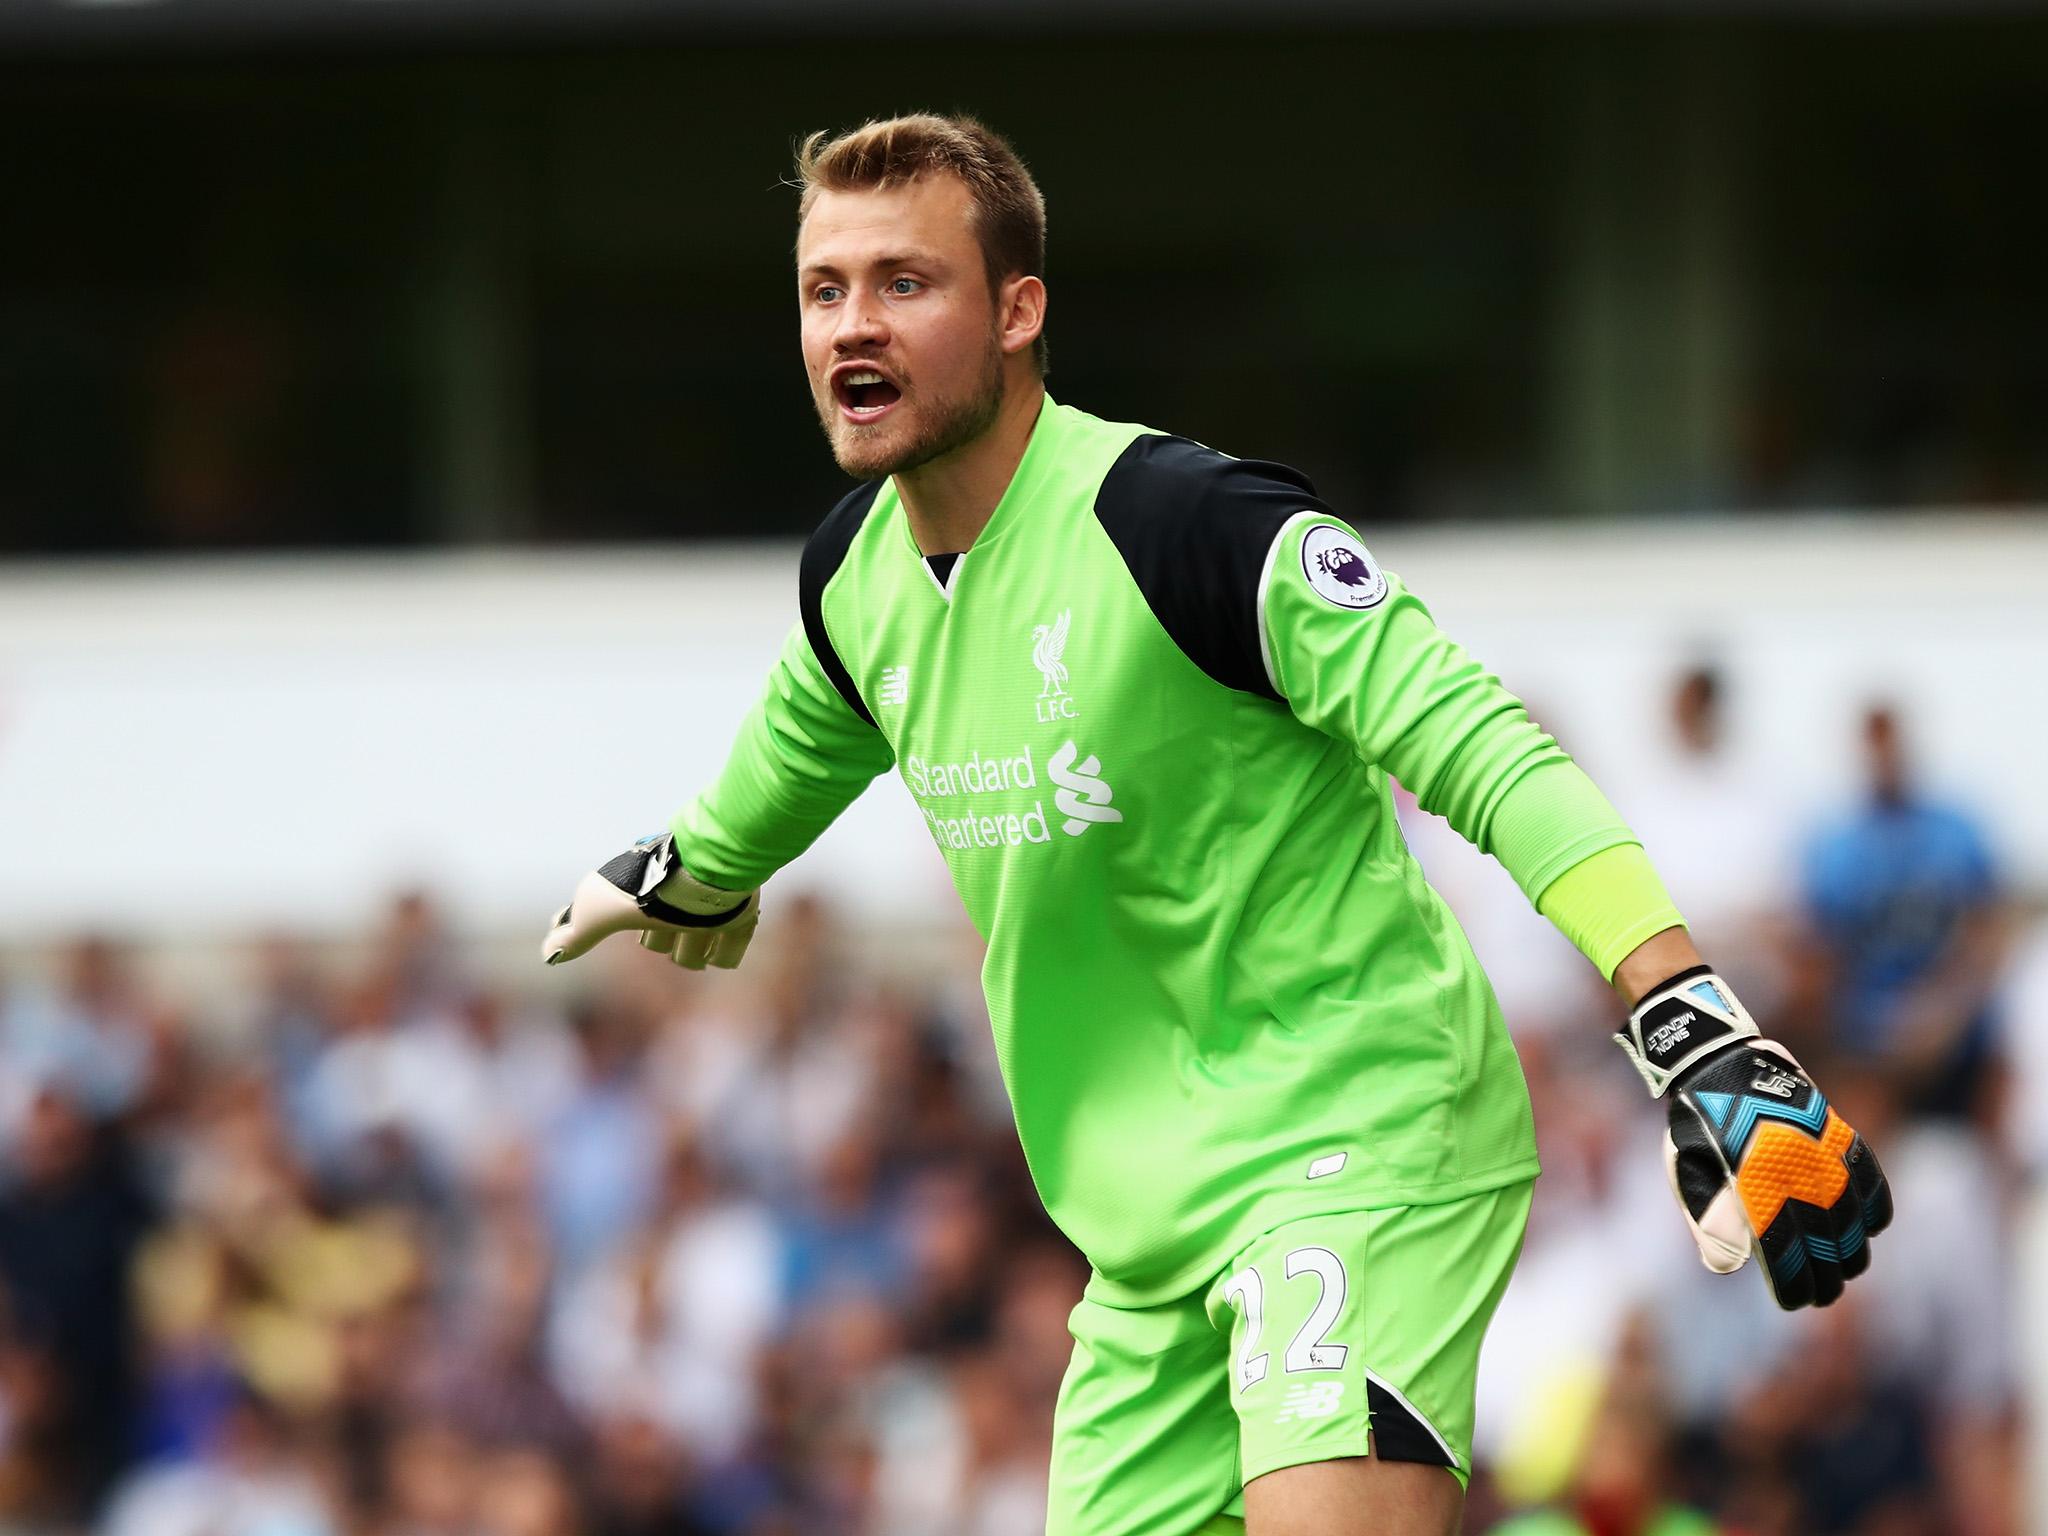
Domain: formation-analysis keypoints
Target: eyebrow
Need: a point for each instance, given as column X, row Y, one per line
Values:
column 924, row 259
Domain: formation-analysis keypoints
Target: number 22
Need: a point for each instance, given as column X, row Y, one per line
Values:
column 1306, row 1351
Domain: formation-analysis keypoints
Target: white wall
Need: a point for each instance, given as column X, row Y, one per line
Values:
column 196, row 747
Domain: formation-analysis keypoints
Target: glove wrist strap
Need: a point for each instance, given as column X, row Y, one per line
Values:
column 679, row 897
column 652, row 874
column 1681, row 1021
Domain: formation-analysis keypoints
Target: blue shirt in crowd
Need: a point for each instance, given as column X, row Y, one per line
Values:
column 1888, row 887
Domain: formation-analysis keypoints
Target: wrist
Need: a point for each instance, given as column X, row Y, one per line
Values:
column 692, row 901
column 1653, row 963
column 1680, row 1022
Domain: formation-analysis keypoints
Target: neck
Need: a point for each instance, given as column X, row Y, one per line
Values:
column 950, row 500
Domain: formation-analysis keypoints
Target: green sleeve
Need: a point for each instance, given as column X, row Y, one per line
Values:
column 1610, row 903
column 802, row 756
column 1382, row 677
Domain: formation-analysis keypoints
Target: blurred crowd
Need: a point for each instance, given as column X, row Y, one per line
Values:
column 400, row 1245
column 1625, row 1390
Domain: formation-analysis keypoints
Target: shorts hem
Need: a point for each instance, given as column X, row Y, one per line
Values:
column 1308, row 1455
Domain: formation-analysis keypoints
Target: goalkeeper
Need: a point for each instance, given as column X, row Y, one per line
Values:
column 1147, row 698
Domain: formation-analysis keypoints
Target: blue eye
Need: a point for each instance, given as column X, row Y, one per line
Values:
column 826, row 294
column 905, row 285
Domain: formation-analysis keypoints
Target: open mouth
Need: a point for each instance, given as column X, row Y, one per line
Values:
column 863, row 394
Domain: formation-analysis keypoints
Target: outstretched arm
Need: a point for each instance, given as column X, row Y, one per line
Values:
column 1363, row 661
column 802, row 756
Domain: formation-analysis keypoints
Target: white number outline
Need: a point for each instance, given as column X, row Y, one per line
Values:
column 1332, row 1286
column 1308, row 1349
column 1247, row 1291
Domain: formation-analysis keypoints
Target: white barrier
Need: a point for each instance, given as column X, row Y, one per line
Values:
column 203, row 747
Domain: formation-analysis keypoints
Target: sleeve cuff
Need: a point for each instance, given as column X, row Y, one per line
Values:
column 1609, row 904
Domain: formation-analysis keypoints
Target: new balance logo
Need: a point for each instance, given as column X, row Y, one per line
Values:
column 1310, row 1400
column 1780, row 1084
column 895, row 685
column 1082, row 797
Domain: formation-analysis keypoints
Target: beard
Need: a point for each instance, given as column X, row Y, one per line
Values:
column 867, row 453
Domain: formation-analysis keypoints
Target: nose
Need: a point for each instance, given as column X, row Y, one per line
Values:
column 862, row 323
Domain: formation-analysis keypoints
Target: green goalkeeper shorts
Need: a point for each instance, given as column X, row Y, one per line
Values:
column 1318, row 1334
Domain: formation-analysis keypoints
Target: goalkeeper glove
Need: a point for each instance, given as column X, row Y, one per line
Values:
column 1757, row 1157
column 647, row 889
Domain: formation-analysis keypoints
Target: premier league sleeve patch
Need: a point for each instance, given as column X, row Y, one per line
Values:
column 1338, row 567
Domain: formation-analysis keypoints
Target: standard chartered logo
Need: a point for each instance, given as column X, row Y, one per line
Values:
column 972, row 775
column 1080, row 795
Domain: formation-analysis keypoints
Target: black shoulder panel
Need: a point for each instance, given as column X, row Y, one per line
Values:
column 1195, row 526
column 822, row 558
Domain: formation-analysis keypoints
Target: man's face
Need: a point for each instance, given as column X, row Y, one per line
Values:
column 900, row 333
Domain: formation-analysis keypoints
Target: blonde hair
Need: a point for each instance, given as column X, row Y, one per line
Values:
column 1009, row 211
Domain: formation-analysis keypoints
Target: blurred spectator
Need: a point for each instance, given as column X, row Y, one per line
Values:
column 1907, row 938
column 288, row 1016
column 89, row 1031
column 844, row 1239
column 775, row 1091
column 70, row 1220
column 1943, row 1295
column 259, row 1266
column 250, row 1480
column 950, row 1249
column 2025, row 1041
column 1622, row 1482
column 599, row 1152
column 489, row 1373
column 525, row 1491
column 1718, row 833
column 478, row 1077
column 432, row 1478
column 1944, row 1299
column 638, row 1478
column 361, row 1125
column 416, row 953
column 36, row 1442
column 1835, row 1441
column 1601, row 1225
column 668, row 1325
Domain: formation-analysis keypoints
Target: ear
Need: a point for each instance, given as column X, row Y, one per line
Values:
column 1020, row 313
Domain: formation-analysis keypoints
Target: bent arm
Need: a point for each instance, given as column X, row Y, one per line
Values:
column 1269, row 592
column 1407, row 697
column 801, row 757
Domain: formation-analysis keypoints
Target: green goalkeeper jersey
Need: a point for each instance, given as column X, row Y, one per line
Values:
column 1149, row 719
